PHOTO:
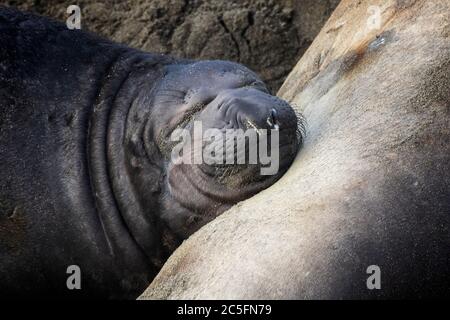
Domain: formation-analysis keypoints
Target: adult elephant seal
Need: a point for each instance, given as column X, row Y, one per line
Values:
column 87, row 182
column 364, row 211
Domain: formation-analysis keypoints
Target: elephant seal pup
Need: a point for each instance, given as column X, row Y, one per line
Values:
column 88, row 185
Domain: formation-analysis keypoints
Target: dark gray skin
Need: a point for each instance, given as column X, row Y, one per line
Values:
column 85, row 174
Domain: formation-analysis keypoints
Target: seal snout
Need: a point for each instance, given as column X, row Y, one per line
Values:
column 262, row 120
column 248, row 108
column 256, row 126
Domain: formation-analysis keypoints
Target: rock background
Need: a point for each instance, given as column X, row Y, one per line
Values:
column 266, row 35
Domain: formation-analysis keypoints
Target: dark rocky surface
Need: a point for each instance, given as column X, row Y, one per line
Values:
column 268, row 36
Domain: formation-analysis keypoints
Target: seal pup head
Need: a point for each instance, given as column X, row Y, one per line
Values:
column 223, row 136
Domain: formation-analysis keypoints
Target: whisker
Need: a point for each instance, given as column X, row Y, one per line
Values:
column 301, row 125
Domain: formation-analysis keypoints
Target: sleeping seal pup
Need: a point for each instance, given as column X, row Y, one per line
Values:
column 87, row 179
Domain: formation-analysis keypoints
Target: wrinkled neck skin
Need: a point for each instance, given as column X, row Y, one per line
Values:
column 127, row 173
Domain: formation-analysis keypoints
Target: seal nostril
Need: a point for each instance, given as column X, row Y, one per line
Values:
column 274, row 115
column 272, row 120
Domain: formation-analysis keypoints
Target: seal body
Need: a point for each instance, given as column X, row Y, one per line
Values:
column 85, row 178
